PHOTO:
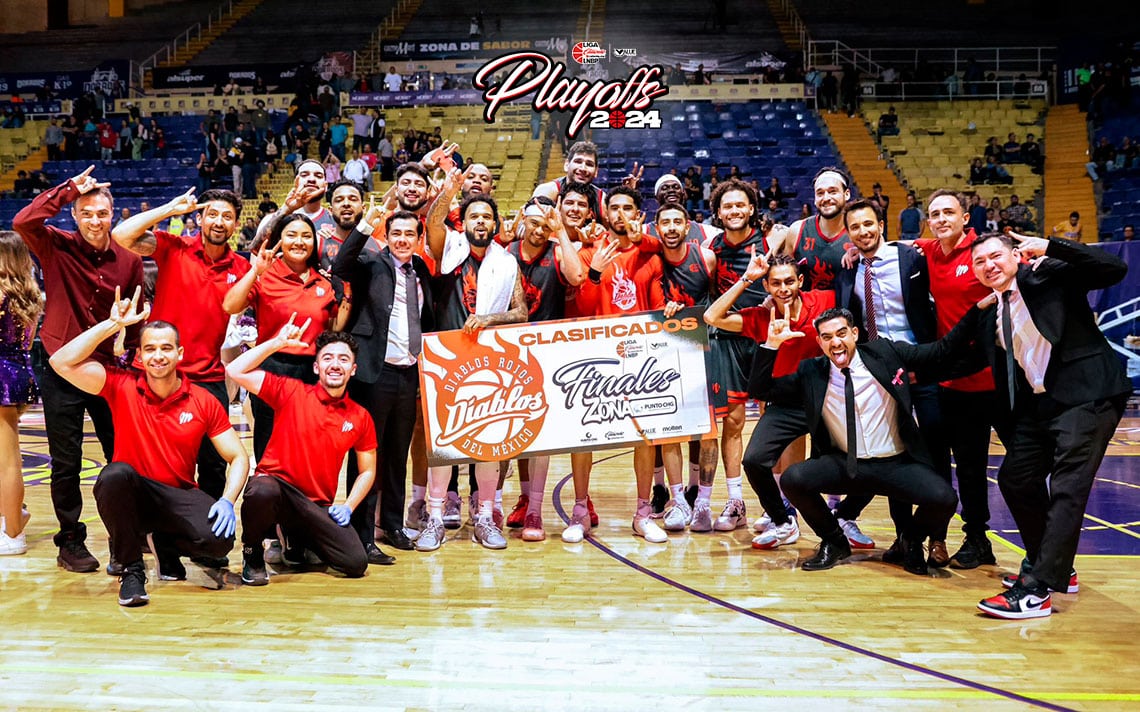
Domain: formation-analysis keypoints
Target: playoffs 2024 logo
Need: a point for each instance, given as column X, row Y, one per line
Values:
column 614, row 103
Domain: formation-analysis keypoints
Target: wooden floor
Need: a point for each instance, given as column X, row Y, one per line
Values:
column 613, row 623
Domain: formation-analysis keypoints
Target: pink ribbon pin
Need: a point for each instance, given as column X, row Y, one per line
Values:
column 898, row 378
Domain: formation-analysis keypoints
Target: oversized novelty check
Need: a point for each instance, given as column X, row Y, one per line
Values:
column 565, row 386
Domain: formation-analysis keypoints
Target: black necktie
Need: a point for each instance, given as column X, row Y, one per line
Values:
column 1007, row 336
column 869, row 301
column 415, row 337
column 849, row 398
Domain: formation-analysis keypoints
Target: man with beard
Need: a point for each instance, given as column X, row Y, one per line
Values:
column 347, row 207
column 819, row 243
column 479, row 286
column 81, row 270
column 194, row 275
column 547, row 268
column 686, row 279
column 581, row 166
column 782, row 423
column 622, row 278
column 308, row 191
column 734, row 205
column 161, row 419
column 669, row 191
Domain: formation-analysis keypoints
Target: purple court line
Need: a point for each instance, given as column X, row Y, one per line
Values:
column 798, row 630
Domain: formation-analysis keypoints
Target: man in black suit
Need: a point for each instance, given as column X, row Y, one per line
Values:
column 859, row 412
column 1066, row 391
column 888, row 293
column 391, row 309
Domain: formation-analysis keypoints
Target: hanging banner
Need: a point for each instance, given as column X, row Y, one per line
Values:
column 565, row 386
column 111, row 76
column 467, row 47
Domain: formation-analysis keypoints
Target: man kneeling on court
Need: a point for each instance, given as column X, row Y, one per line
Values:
column 859, row 412
column 149, row 485
column 296, row 480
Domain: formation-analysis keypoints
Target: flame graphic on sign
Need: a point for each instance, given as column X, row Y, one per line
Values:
column 490, row 402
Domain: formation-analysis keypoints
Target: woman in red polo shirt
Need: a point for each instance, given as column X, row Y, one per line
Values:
column 285, row 280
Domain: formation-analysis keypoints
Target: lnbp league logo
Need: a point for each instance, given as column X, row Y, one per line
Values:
column 489, row 403
column 614, row 103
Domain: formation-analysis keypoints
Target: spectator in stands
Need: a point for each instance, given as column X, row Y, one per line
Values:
column 70, row 130
column 108, row 140
column 22, row 188
column 151, row 139
column 995, row 203
column 699, row 76
column 775, row 192
column 338, row 137
column 993, row 150
column 977, row 213
column 1031, row 154
column 1019, row 216
column 327, row 101
column 973, row 76
column 387, row 162
column 1128, row 233
column 259, row 87
column 1070, row 229
column 259, row 120
column 889, row 123
column 190, row 227
column 250, row 160
column 53, row 140
column 882, row 202
column 1003, row 221
column 234, row 159
column 124, row 214
column 324, row 139
column 270, row 149
column 231, row 88
column 991, row 220
column 378, row 129
column 123, row 150
column 299, row 140
column 332, row 167
column 676, row 76
column 370, row 157
column 776, row 214
column 1021, row 87
column 356, row 170
column 248, row 233
column 1103, row 159
column 1127, row 155
column 996, row 173
column 829, row 92
column 361, row 122
column 977, row 171
column 266, row 206
column 392, row 80
column 911, row 220
column 1011, row 151
column 849, row 90
column 205, row 173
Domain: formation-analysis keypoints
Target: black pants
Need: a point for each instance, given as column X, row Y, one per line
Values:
column 132, row 505
column 928, row 412
column 900, row 477
column 211, row 465
column 1045, row 479
column 64, row 405
column 269, row 501
column 775, row 431
column 968, row 416
column 290, row 366
column 391, row 401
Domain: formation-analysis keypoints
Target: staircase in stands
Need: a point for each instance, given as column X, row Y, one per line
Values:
column 864, row 158
column 1067, row 184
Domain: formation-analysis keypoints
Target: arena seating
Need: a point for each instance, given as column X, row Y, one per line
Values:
column 935, row 144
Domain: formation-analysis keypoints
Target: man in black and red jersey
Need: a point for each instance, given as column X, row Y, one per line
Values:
column 309, row 187
column 669, row 191
column 735, row 209
column 581, row 166
column 548, row 265
column 819, row 242
column 160, row 419
column 686, row 278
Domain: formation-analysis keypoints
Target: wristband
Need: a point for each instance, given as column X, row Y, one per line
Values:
column 594, row 276
column 747, row 281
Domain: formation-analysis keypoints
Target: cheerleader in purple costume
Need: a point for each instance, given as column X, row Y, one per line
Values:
column 21, row 303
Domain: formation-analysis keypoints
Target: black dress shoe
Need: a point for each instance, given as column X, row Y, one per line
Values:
column 829, row 554
column 397, row 539
column 914, row 562
column 375, row 556
column 896, row 554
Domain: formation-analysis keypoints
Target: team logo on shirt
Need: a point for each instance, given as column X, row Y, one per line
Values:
column 625, row 291
column 490, row 404
column 961, row 270
column 320, row 291
column 230, row 277
column 347, row 427
column 185, row 417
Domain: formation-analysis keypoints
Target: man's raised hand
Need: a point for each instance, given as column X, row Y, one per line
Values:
column 290, row 335
column 779, row 331
column 125, row 312
column 85, row 182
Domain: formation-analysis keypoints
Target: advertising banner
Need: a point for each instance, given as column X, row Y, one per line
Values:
column 565, row 386
column 468, row 47
column 441, row 97
column 70, row 84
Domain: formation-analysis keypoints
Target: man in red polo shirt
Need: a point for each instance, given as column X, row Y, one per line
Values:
column 295, row 483
column 194, row 274
column 161, row 418
column 81, row 271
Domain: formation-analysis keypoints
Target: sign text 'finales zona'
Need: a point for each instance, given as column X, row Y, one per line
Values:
column 616, row 103
column 490, row 404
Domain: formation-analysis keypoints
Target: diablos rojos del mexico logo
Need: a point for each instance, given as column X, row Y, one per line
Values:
column 489, row 403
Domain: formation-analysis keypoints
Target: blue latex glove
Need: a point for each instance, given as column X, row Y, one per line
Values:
column 340, row 514
column 225, row 521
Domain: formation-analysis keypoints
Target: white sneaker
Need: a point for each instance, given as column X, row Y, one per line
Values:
column 702, row 520
column 431, row 536
column 855, row 536
column 786, row 533
column 579, row 527
column 646, row 527
column 12, row 545
column 762, row 524
column 677, row 516
column 733, row 516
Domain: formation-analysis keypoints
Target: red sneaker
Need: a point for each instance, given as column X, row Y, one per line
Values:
column 518, row 515
column 593, row 514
